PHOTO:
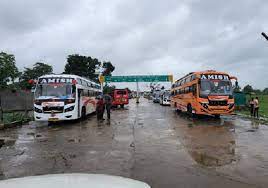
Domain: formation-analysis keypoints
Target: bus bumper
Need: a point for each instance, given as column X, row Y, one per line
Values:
column 215, row 111
column 54, row 117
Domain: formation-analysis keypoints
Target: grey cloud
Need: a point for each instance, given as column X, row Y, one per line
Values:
column 142, row 37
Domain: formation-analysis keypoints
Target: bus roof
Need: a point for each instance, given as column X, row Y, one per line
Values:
column 210, row 72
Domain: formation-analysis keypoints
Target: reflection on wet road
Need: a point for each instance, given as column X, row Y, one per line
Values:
column 147, row 142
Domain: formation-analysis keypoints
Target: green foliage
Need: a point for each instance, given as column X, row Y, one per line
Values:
column 108, row 89
column 265, row 91
column 39, row 69
column 108, row 68
column 8, row 70
column 84, row 66
column 248, row 89
column 257, row 91
column 11, row 117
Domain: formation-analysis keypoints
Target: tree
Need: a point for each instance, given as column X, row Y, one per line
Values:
column 8, row 70
column 248, row 89
column 265, row 91
column 82, row 66
column 257, row 91
column 108, row 89
column 39, row 69
column 108, row 68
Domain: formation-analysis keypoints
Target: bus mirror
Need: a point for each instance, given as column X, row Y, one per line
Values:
column 233, row 78
column 236, row 84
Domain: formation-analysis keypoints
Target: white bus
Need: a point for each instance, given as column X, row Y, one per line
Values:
column 64, row 97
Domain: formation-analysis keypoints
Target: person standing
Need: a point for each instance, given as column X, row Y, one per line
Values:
column 108, row 104
column 100, row 108
column 251, row 105
column 256, row 107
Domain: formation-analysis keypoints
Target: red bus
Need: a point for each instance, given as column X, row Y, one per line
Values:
column 120, row 97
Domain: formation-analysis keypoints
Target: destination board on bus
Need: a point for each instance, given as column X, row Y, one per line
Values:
column 55, row 80
column 214, row 77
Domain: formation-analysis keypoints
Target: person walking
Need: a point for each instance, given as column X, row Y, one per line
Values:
column 100, row 108
column 108, row 104
column 251, row 105
column 256, row 107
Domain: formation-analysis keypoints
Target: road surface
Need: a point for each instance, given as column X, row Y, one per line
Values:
column 147, row 142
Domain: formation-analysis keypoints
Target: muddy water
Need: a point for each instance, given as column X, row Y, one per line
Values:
column 210, row 142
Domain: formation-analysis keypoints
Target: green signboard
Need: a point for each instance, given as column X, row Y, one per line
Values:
column 139, row 78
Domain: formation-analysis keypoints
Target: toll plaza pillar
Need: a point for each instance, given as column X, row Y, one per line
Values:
column 138, row 95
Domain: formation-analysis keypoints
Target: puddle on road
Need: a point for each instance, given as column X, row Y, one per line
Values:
column 210, row 142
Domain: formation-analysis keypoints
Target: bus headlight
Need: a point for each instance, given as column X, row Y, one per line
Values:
column 69, row 109
column 38, row 110
column 38, row 102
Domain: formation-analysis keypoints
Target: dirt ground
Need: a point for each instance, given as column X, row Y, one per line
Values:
column 147, row 142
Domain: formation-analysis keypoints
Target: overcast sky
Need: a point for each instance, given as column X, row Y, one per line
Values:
column 141, row 37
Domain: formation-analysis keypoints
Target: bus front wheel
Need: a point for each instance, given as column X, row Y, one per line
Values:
column 122, row 106
column 190, row 110
column 217, row 116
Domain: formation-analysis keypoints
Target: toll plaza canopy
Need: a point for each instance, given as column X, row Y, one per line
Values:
column 137, row 78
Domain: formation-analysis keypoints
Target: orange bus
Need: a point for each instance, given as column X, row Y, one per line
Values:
column 207, row 92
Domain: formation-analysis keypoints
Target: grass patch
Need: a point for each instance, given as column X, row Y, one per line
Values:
column 16, row 116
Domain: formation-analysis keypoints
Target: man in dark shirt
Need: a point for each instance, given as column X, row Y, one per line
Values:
column 108, row 104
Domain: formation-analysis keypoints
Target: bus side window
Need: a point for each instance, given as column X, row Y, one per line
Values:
column 79, row 81
column 190, row 89
column 187, row 90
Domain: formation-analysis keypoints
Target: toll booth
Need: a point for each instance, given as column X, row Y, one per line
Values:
column 240, row 99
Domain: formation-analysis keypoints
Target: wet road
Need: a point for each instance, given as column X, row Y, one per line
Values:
column 147, row 142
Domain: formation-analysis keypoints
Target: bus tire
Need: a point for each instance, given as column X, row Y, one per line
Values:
column 122, row 106
column 218, row 116
column 190, row 110
column 83, row 113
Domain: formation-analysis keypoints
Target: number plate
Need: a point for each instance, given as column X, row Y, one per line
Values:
column 53, row 119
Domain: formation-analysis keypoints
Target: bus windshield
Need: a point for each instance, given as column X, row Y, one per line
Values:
column 215, row 87
column 54, row 91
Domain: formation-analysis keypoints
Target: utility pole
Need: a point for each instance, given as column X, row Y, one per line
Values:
column 264, row 35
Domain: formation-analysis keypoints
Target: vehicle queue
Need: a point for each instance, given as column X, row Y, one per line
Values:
column 70, row 97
